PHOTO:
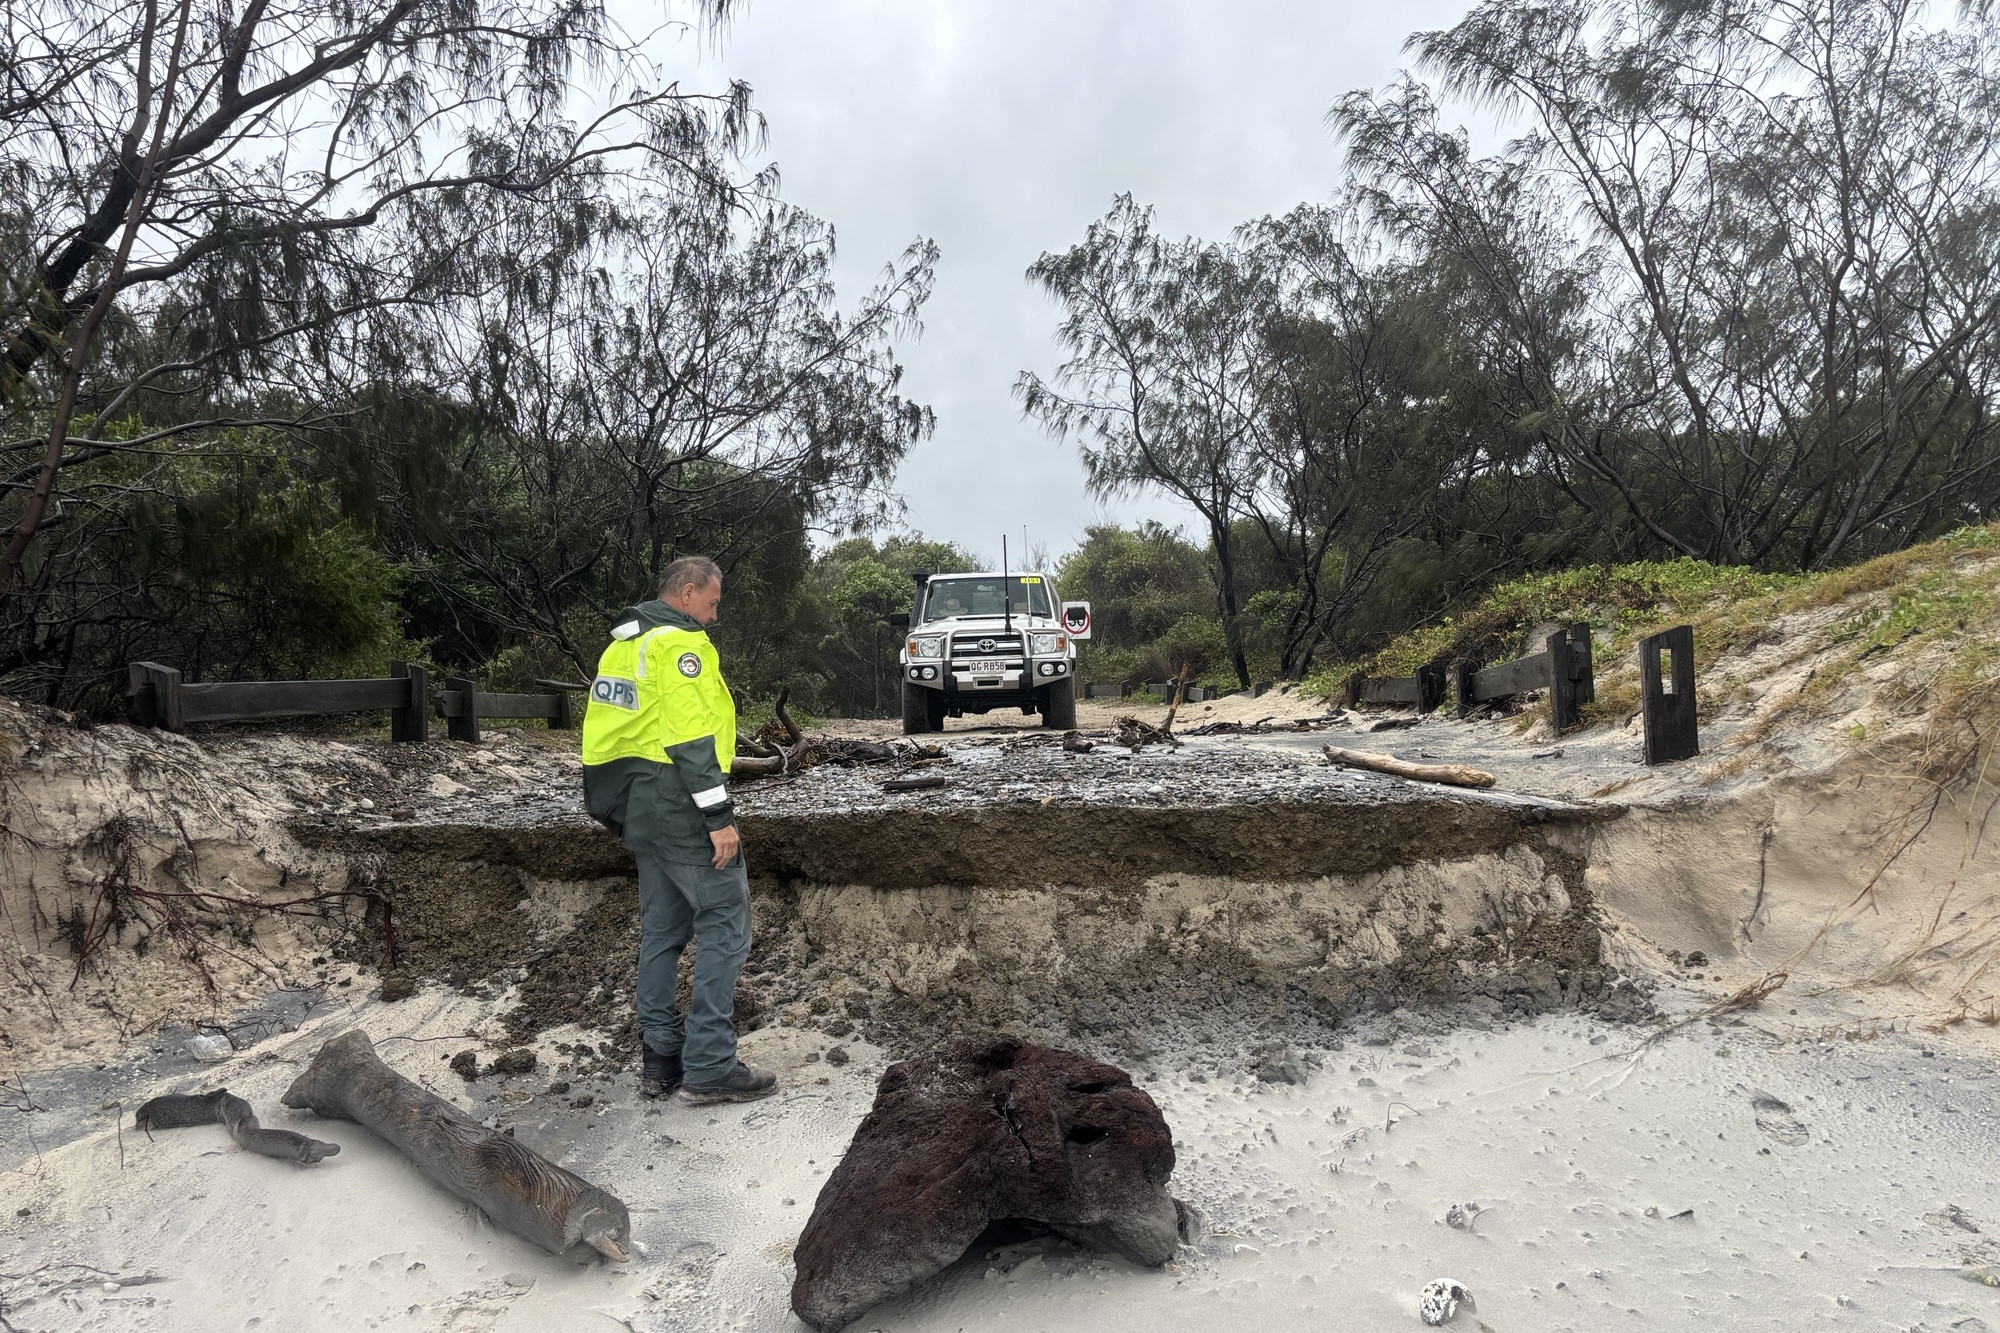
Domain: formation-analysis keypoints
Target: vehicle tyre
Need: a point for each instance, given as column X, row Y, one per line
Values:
column 934, row 701
column 917, row 710
column 1059, row 705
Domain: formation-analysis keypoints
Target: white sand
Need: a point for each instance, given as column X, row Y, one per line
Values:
column 1328, row 1200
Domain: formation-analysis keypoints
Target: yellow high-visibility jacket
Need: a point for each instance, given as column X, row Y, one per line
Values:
column 659, row 735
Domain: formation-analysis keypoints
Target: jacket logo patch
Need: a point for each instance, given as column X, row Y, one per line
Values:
column 615, row 692
column 690, row 665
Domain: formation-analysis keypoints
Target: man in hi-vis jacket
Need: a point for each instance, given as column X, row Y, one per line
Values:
column 658, row 739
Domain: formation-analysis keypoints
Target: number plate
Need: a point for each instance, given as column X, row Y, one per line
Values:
column 985, row 666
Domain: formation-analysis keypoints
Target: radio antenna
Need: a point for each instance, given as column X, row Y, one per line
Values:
column 1006, row 587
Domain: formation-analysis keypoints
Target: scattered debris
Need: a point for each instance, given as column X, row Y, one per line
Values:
column 1075, row 742
column 397, row 986
column 848, row 753
column 1264, row 725
column 518, row 1189
column 521, row 1060
column 1135, row 735
column 1456, row 775
column 1461, row 1216
column 781, row 748
column 1441, row 1299
column 1394, row 724
column 466, row 1065
column 1953, row 1215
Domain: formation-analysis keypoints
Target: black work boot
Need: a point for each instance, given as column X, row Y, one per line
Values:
column 741, row 1084
column 661, row 1074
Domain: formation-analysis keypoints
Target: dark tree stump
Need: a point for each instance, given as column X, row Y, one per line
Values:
column 519, row 1189
column 993, row 1129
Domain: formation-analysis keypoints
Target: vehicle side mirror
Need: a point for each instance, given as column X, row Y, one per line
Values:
column 899, row 619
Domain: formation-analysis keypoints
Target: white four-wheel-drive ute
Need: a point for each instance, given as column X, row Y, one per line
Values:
column 977, row 642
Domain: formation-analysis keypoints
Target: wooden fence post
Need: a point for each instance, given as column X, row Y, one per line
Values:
column 1581, row 664
column 1562, row 687
column 1430, row 688
column 564, row 718
column 1667, row 699
column 465, row 726
column 1461, row 685
column 411, row 722
column 155, row 692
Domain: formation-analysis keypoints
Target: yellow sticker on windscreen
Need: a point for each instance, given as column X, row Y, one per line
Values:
column 1031, row 578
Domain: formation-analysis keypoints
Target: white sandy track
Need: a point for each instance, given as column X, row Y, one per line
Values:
column 1327, row 1200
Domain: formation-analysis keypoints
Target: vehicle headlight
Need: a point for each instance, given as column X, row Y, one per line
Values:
column 926, row 647
column 1043, row 644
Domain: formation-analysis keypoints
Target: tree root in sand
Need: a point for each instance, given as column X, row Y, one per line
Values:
column 124, row 896
column 519, row 1189
column 221, row 1108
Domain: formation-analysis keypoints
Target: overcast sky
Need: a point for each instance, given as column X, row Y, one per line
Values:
column 1001, row 129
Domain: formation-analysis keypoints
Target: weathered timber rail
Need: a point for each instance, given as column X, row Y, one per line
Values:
column 1563, row 668
column 1424, row 691
column 156, row 696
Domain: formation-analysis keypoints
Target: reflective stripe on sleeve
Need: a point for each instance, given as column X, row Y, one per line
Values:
column 711, row 797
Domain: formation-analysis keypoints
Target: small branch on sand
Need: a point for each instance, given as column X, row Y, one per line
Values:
column 1180, row 693
column 17, row 1086
column 1456, row 775
column 918, row 782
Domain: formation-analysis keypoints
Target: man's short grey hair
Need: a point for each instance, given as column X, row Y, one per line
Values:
column 696, row 569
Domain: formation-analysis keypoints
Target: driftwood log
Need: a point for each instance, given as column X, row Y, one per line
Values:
column 221, row 1107
column 1458, row 775
column 519, row 1189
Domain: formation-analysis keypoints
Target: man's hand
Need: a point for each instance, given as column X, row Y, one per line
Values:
column 727, row 842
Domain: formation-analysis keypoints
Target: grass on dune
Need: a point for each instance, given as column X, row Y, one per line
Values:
column 1944, row 592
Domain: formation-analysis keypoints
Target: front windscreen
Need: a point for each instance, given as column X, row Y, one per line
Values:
column 986, row 595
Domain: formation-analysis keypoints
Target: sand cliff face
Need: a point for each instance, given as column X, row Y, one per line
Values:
column 1851, row 881
column 175, row 881
column 1834, row 831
